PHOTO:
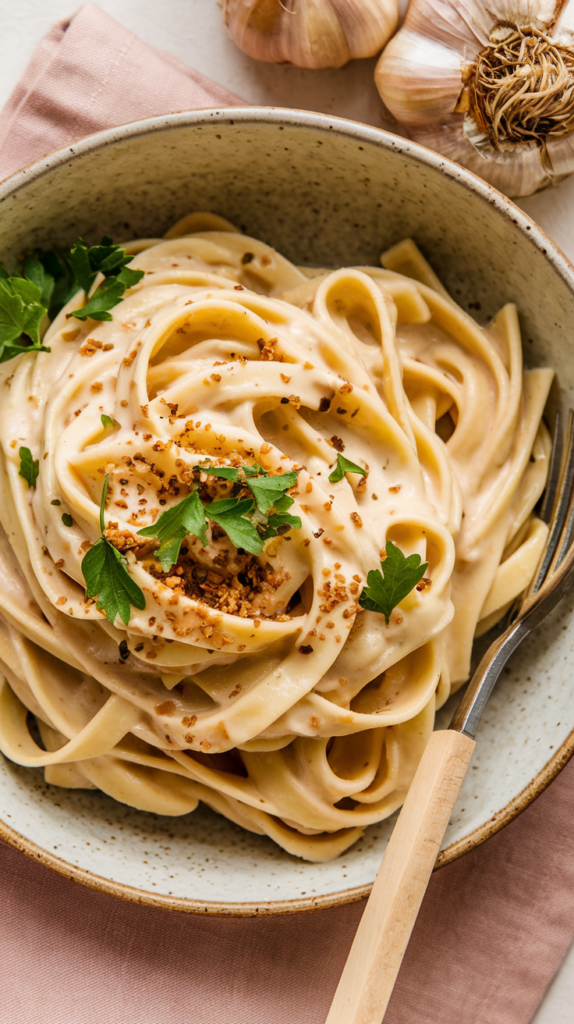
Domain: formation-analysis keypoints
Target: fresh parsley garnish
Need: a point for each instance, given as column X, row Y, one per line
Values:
column 278, row 520
column 344, row 466
column 33, row 270
column 104, row 298
column 225, row 472
column 67, row 519
column 173, row 525
column 61, row 282
column 109, row 421
column 233, row 472
column 47, row 281
column 111, row 261
column 21, row 313
column 29, row 467
column 229, row 514
column 269, row 491
column 247, row 523
column 106, row 258
column 273, row 502
column 387, row 587
column 189, row 516
column 107, row 578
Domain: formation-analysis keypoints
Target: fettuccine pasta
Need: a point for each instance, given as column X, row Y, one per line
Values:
column 257, row 683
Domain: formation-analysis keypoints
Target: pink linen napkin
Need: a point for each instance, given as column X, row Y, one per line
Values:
column 90, row 73
column 494, row 925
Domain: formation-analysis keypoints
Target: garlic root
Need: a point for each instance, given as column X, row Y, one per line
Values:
column 490, row 87
column 310, row 33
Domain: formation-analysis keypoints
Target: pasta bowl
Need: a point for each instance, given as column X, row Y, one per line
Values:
column 325, row 193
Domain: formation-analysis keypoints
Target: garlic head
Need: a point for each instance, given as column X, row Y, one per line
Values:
column 310, row 33
column 492, row 88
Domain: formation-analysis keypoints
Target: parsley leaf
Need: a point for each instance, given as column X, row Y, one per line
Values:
column 344, row 466
column 58, row 270
column 269, row 492
column 67, row 519
column 227, row 472
column 107, row 259
column 276, row 521
column 107, row 578
column 109, row 421
column 29, row 467
column 27, row 290
column 173, row 525
column 229, row 515
column 21, row 314
column 34, row 271
column 129, row 277
column 104, row 298
column 232, row 473
column 12, row 349
column 255, row 470
column 79, row 260
column 386, row 589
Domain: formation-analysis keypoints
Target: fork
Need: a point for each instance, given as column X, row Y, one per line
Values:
column 372, row 966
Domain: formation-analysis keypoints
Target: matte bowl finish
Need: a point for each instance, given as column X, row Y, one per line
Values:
column 325, row 192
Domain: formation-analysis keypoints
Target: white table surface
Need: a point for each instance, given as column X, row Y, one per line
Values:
column 193, row 31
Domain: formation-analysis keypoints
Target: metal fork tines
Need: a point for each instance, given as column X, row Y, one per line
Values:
column 553, row 579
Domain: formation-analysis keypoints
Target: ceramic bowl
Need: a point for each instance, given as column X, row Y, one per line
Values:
column 325, row 192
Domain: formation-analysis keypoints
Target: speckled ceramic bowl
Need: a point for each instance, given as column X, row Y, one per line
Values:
column 325, row 192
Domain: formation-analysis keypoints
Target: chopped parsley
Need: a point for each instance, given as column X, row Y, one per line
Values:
column 278, row 520
column 29, row 467
column 344, row 466
column 229, row 514
column 248, row 523
column 269, row 491
column 225, row 472
column 189, row 516
column 389, row 585
column 173, row 525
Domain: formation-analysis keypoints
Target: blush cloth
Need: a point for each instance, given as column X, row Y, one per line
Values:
column 493, row 929
column 90, row 73
column 494, row 925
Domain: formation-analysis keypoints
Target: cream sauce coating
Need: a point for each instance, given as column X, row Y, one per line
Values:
column 258, row 684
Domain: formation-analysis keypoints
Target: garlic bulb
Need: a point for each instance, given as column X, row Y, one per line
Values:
column 310, row 33
column 490, row 86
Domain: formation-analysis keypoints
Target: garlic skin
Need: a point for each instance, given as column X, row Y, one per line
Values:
column 310, row 33
column 422, row 73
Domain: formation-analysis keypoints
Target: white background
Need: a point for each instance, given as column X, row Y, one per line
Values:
column 192, row 30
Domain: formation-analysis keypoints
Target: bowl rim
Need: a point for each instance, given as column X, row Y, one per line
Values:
column 531, row 231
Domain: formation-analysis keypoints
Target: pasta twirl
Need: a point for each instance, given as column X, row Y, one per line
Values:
column 256, row 682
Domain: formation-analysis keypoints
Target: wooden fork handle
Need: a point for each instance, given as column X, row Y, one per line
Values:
column 373, row 963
